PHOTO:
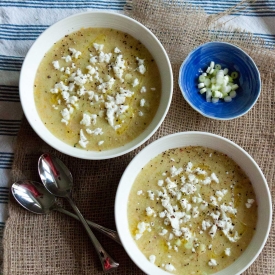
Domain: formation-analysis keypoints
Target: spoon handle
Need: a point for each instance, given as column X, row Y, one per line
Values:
column 108, row 264
column 106, row 231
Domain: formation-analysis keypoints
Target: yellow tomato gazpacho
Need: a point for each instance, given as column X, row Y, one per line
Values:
column 192, row 210
column 97, row 89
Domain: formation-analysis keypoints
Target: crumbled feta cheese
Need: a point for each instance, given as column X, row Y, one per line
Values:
column 186, row 233
column 213, row 230
column 143, row 89
column 213, row 200
column 152, row 259
column 169, row 267
column 139, row 192
column 149, row 211
column 83, row 140
column 189, row 167
column 205, row 224
column 227, row 251
column 81, row 91
column 80, row 79
column 56, row 64
column 140, row 113
column 75, row 53
column 100, row 142
column 106, row 85
column 151, row 195
column 215, row 216
column 141, row 69
column 93, row 59
column 86, row 120
column 60, row 86
column 140, row 61
column 249, row 203
column 188, row 188
column 135, row 82
column 104, row 57
column 65, row 115
column 67, row 58
column 206, row 181
column 96, row 132
column 212, row 262
column 174, row 171
column 220, row 194
column 162, row 214
column 91, row 70
column 163, row 232
column 117, row 127
column 73, row 100
column 196, row 199
column 160, row 182
column 141, row 227
column 229, row 209
column 214, row 177
column 142, row 102
column 68, row 71
column 170, row 184
column 199, row 171
column 117, row 50
column 71, row 87
column 118, row 67
column 98, row 47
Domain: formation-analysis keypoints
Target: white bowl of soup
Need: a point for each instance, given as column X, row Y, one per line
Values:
column 193, row 203
column 96, row 85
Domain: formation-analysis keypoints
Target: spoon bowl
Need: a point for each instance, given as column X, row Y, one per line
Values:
column 55, row 176
column 33, row 197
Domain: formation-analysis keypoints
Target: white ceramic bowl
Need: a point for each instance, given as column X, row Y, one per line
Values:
column 218, row 143
column 73, row 23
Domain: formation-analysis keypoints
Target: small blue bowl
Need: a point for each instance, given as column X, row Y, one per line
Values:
column 228, row 56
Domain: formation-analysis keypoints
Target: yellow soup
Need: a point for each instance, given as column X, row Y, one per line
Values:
column 97, row 89
column 192, row 210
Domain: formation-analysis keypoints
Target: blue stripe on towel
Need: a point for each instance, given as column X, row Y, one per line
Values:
column 10, row 63
column 6, row 160
column 9, row 127
column 114, row 5
column 21, row 32
column 9, row 93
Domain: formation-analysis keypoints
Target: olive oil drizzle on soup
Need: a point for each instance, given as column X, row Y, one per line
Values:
column 192, row 210
column 97, row 89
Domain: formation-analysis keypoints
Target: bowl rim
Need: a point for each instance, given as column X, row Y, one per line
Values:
column 126, row 183
column 79, row 152
column 194, row 106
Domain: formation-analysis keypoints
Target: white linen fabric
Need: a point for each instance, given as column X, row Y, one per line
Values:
column 22, row 21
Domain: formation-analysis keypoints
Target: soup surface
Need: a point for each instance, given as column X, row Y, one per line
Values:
column 192, row 210
column 97, row 89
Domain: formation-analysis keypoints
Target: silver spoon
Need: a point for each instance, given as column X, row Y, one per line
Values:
column 34, row 197
column 58, row 180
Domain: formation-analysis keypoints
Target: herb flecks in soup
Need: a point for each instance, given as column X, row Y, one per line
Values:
column 97, row 89
column 192, row 210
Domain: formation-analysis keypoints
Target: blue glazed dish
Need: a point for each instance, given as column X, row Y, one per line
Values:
column 228, row 56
